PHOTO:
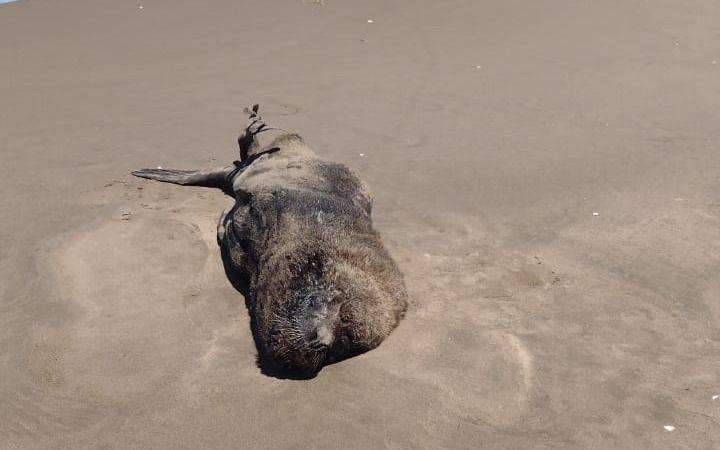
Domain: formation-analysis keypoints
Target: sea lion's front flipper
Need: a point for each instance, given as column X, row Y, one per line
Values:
column 214, row 178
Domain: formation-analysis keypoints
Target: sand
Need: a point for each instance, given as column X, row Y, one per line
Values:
column 546, row 174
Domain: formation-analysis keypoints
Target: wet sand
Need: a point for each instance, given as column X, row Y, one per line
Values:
column 546, row 174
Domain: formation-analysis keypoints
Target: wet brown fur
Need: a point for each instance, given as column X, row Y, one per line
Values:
column 322, row 286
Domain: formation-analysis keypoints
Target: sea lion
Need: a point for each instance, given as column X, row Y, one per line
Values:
column 322, row 286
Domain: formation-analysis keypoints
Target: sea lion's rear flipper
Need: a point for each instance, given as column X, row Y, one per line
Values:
column 215, row 178
column 246, row 141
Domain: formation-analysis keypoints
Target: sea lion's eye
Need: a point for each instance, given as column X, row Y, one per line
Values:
column 344, row 341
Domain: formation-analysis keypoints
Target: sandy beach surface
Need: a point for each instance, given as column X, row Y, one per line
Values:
column 546, row 174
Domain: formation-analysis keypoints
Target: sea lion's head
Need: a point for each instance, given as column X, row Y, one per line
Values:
column 305, row 333
column 321, row 311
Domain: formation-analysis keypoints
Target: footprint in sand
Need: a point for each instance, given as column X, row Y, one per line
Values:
column 461, row 340
column 121, row 284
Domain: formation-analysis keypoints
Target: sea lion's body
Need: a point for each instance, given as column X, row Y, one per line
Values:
column 322, row 285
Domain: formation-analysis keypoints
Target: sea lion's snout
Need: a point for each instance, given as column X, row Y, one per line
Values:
column 318, row 327
column 320, row 338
